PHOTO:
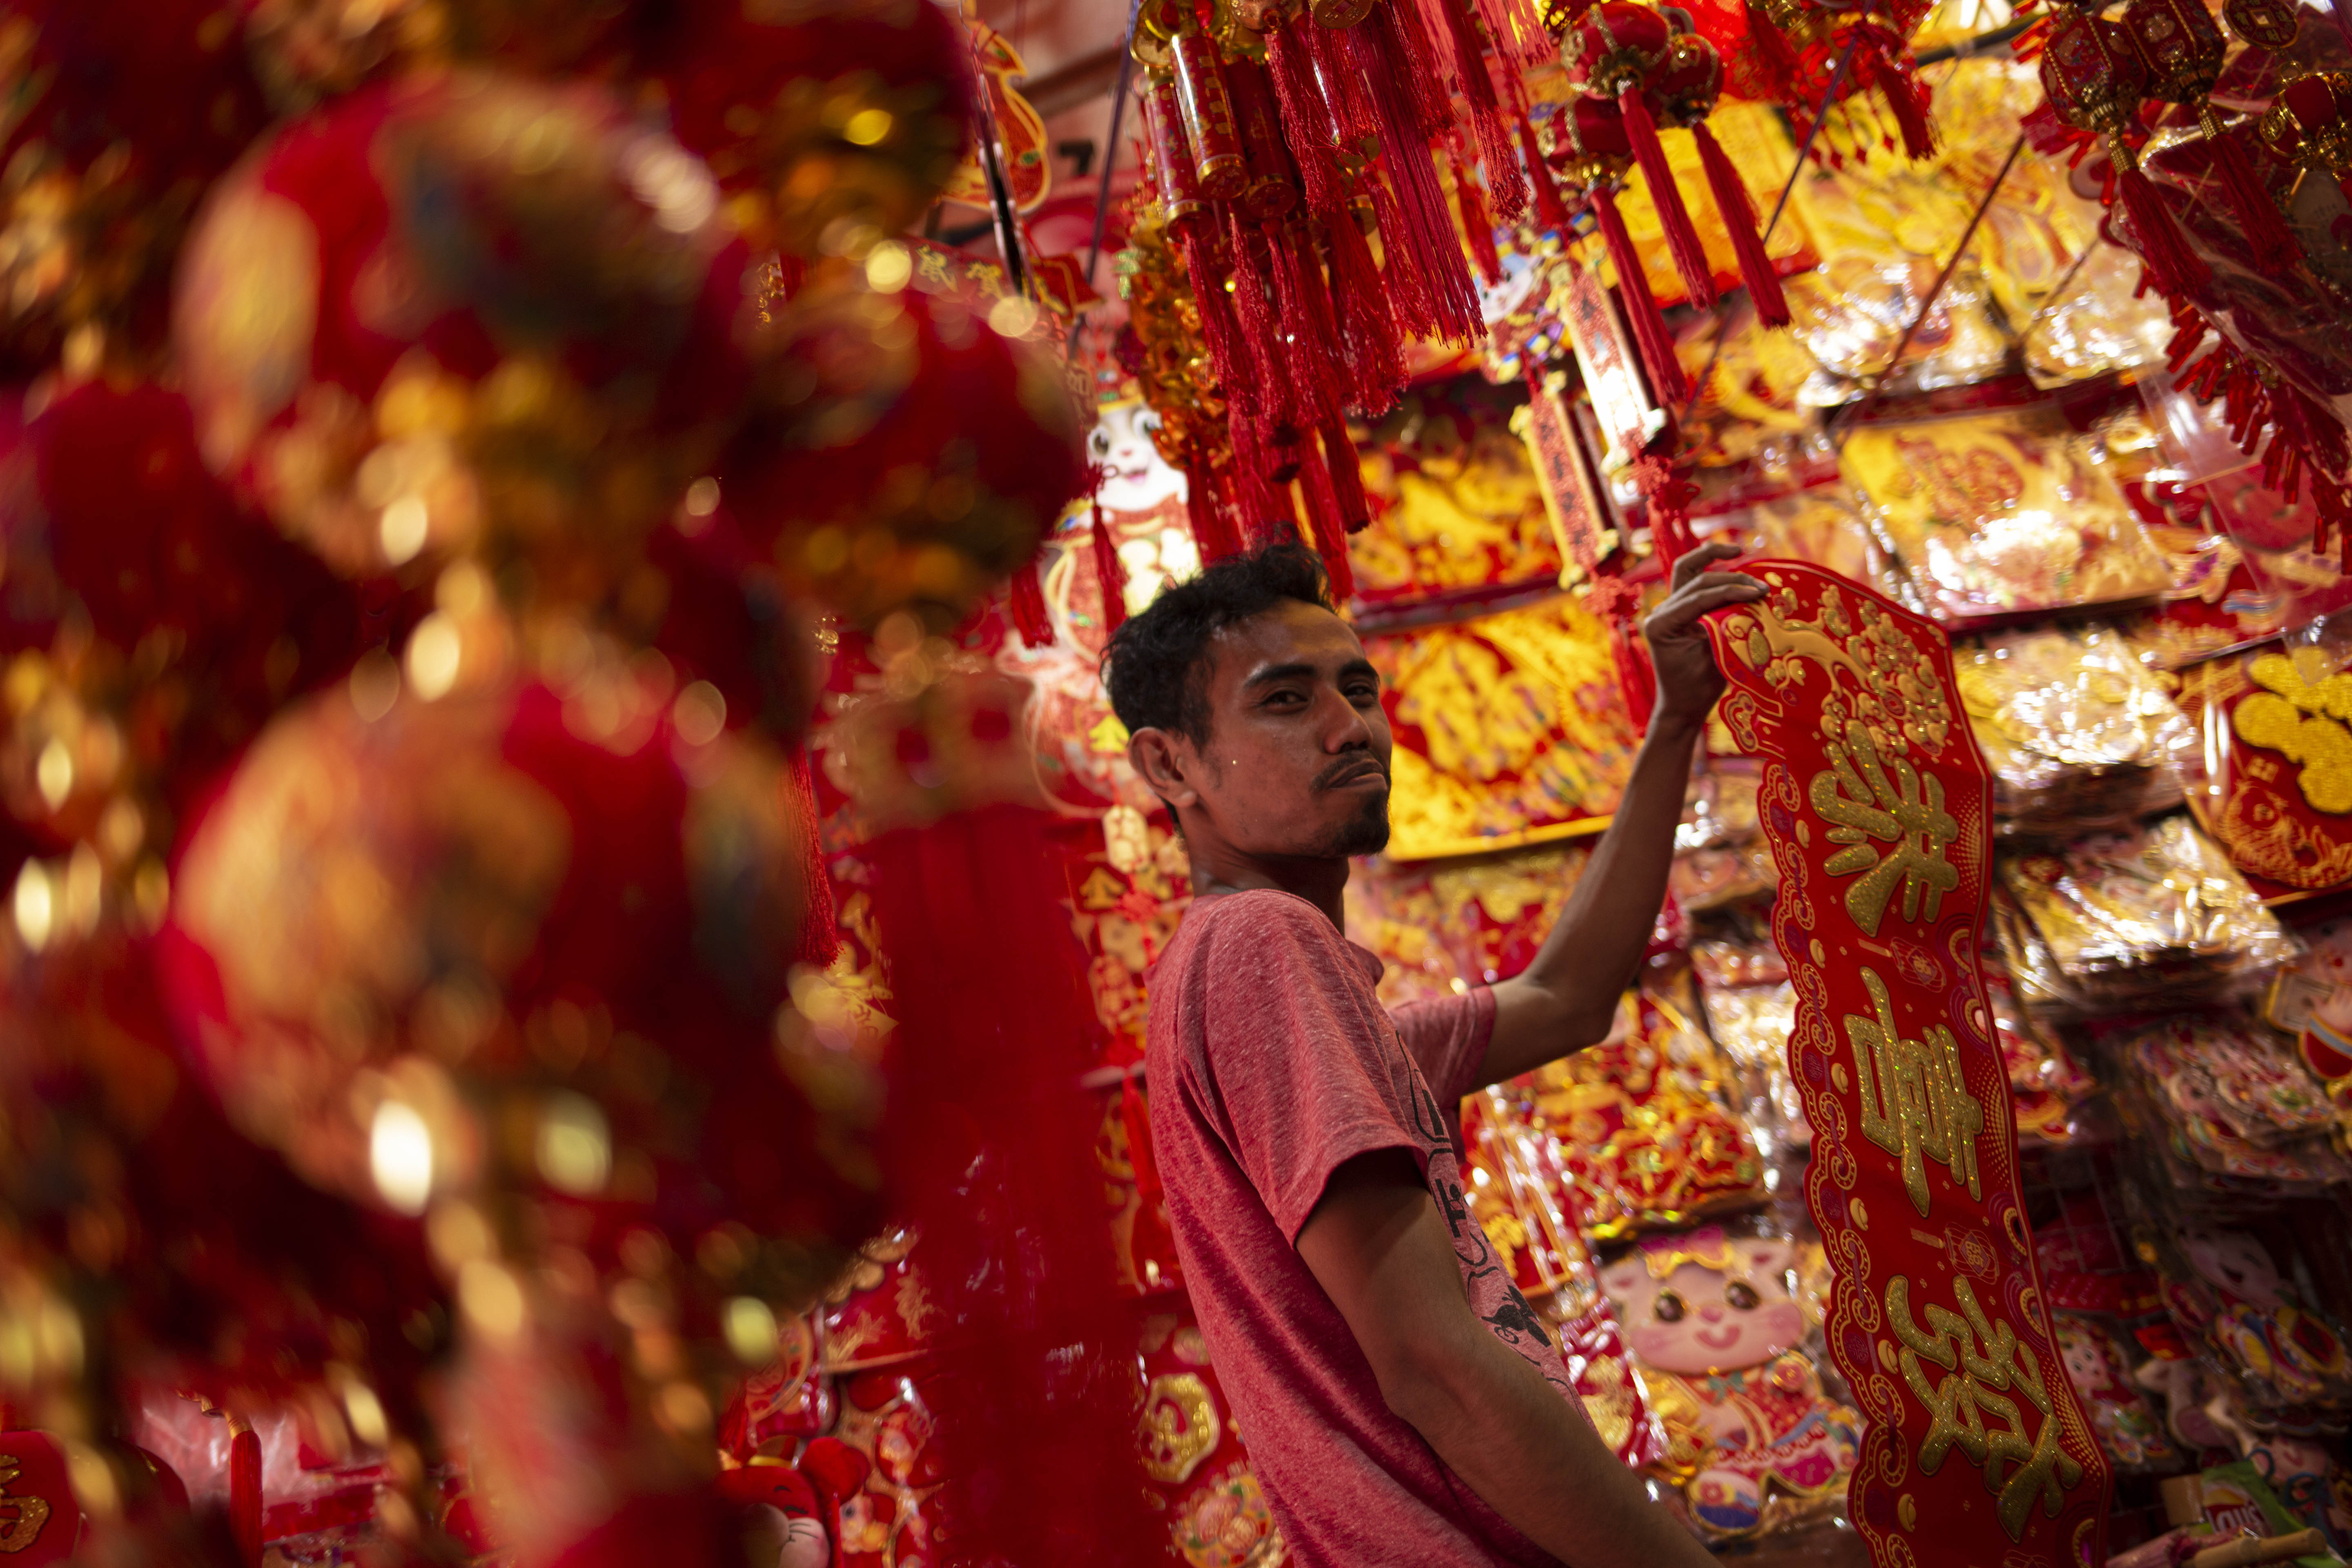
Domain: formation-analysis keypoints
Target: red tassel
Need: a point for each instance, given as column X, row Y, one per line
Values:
column 244, row 1492
column 1261, row 330
column 1213, row 532
column 1682, row 239
column 1307, row 121
column 1551, row 213
column 1228, row 355
column 1424, row 235
column 1368, row 329
column 1331, row 527
column 1739, row 217
column 1770, row 53
column 1269, row 514
column 1027, row 600
column 1311, row 335
column 1110, row 576
column 1494, row 149
column 1905, row 97
column 1346, row 478
column 1651, row 339
column 2267, row 235
column 1345, row 92
column 1477, row 228
column 2176, row 269
column 1416, row 69
column 820, row 939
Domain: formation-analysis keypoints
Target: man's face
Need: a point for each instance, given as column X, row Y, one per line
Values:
column 1297, row 761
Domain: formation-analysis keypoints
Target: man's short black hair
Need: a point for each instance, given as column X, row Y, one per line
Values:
column 1156, row 668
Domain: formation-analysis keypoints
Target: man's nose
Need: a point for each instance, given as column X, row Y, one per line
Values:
column 1349, row 731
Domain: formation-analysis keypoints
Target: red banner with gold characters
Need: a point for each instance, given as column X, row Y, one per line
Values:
column 1877, row 806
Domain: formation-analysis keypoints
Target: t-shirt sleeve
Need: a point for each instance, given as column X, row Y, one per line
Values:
column 1302, row 1062
column 1448, row 1037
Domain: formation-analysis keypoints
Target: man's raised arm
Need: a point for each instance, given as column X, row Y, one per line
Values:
column 1379, row 1249
column 1568, row 998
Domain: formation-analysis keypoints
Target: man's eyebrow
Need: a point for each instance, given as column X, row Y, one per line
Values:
column 1294, row 670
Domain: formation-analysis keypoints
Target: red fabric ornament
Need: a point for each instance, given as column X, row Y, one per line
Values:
column 1305, row 115
column 843, row 113
column 1204, row 509
column 1026, row 598
column 1423, row 229
column 1328, row 526
column 1757, row 273
column 910, row 456
column 1346, row 478
column 1656, row 343
column 1611, row 53
column 1551, row 213
column 244, row 1492
column 1370, row 338
column 2310, row 124
column 1110, row 574
column 1885, row 60
column 1471, row 78
column 2182, row 47
column 2095, row 79
column 404, row 346
column 1477, row 226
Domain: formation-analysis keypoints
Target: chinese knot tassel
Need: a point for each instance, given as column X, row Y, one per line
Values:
column 1769, row 51
column 1651, row 337
column 1424, row 232
column 1261, row 328
column 1415, row 70
column 1477, row 226
column 1347, row 477
column 1205, row 509
column 1368, row 328
column 1499, row 158
column 1026, row 599
column 245, row 1517
column 1551, row 213
column 1682, row 238
column 1307, row 121
column 820, row 938
column 1345, row 92
column 2174, row 267
column 1110, row 574
column 1228, row 355
column 1906, row 96
column 2271, row 243
column 1330, row 529
column 1731, row 205
column 1303, row 307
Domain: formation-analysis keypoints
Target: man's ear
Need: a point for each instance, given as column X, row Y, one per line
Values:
column 1168, row 764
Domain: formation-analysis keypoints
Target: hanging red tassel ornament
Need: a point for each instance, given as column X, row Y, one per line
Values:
column 1290, row 65
column 1110, row 574
column 2094, row 81
column 2310, row 125
column 1329, row 527
column 1771, row 55
column 1610, row 54
column 1500, row 159
column 1026, row 598
column 1270, row 188
column 819, row 940
column 1424, row 233
column 1228, row 354
column 1346, row 478
column 1367, row 327
column 1883, row 55
column 245, row 1502
column 1213, row 532
column 1478, row 225
column 1261, row 327
column 1551, row 213
column 1309, row 331
column 2183, row 50
column 1593, row 154
column 1756, row 270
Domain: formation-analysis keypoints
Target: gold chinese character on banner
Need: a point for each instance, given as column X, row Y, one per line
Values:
column 1970, row 1409
column 1906, row 814
column 31, row 1513
column 1914, row 1103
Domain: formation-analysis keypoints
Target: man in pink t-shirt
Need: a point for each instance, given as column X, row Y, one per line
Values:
column 1402, row 1402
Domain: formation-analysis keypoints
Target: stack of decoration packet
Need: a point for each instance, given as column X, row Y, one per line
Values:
column 2227, row 1105
column 2077, row 732
column 2144, row 916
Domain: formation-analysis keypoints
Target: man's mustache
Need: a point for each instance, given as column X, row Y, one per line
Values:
column 1348, row 769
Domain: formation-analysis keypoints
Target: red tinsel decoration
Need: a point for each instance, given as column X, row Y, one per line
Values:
column 1763, row 284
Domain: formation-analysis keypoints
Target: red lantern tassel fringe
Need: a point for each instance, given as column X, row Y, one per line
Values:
column 1204, row 508
column 1499, row 158
column 1110, row 576
column 1261, row 328
column 1228, row 355
column 1905, row 97
column 1345, row 93
column 1416, row 69
column 820, row 938
column 1304, row 307
column 1026, row 599
column 1656, row 344
column 1368, row 328
column 1478, row 228
column 1682, row 238
column 1329, row 528
column 244, row 1492
column 989, row 1146
column 1347, row 477
column 1551, row 213
column 1425, row 233
column 2176, row 269
column 2267, row 235
column 1739, row 217
column 1769, row 51
column 1306, row 119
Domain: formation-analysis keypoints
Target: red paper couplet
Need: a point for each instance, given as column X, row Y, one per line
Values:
column 1877, row 806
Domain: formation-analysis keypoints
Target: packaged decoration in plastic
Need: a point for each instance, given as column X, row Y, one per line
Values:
column 2227, row 1107
column 2225, row 1288
column 2075, row 728
column 2312, row 1000
column 2146, row 912
column 2034, row 981
column 1999, row 516
column 1719, row 859
column 2046, row 1085
column 1760, row 1437
column 1646, row 1143
column 1752, row 1024
column 2129, row 1429
column 2274, row 779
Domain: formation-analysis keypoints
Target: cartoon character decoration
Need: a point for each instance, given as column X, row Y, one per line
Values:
column 795, row 1508
column 2128, row 1427
column 2313, row 1000
column 1717, row 1325
column 2223, row 1286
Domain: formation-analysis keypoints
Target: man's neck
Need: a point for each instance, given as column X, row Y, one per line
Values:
column 1321, row 882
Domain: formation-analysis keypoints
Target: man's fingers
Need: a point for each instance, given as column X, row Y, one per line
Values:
column 1694, row 561
column 1694, row 602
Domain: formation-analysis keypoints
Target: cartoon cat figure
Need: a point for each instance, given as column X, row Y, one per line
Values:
column 1714, row 1328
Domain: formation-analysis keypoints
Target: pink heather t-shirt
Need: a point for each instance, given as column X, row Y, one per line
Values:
column 1271, row 1064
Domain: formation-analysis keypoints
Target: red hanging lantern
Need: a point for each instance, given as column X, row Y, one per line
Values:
column 2310, row 125
column 2183, row 51
column 2095, row 79
column 1611, row 53
column 1686, row 86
